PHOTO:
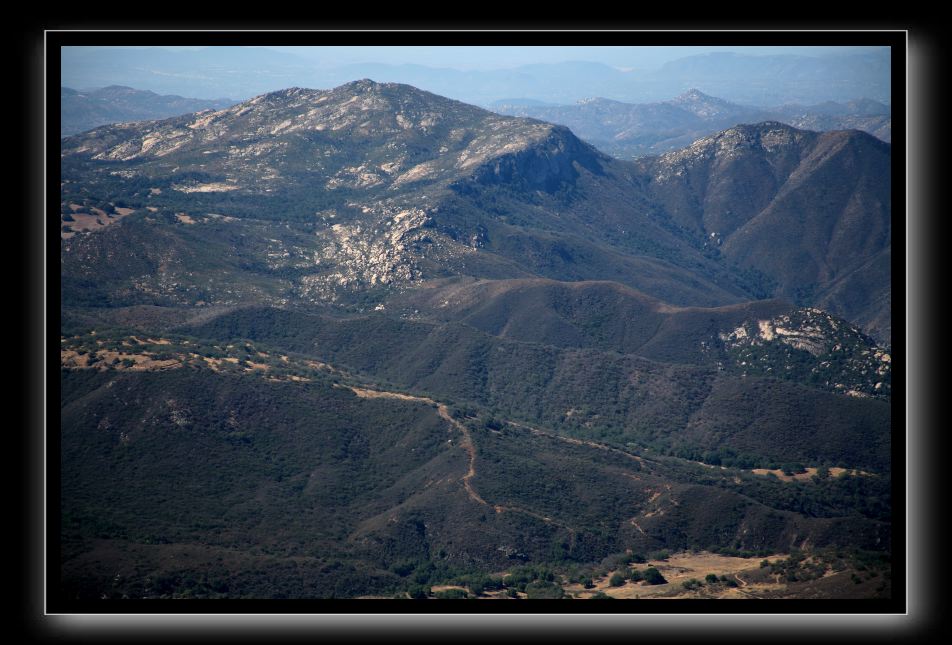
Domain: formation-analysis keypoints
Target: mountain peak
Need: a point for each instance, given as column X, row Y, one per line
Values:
column 766, row 135
column 693, row 94
column 703, row 105
column 363, row 84
column 361, row 135
column 592, row 99
column 743, row 139
column 758, row 129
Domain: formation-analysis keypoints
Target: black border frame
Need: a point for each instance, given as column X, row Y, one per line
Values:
column 891, row 37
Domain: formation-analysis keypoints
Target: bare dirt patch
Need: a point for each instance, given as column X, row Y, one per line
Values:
column 379, row 394
column 783, row 477
column 216, row 363
column 317, row 365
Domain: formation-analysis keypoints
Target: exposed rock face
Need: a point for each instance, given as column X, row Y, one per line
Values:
column 545, row 166
column 813, row 346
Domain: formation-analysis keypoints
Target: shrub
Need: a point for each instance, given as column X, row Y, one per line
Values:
column 540, row 589
column 451, row 594
column 419, row 592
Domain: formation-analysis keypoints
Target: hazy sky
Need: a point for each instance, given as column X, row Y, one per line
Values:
column 505, row 57
column 501, row 57
column 481, row 74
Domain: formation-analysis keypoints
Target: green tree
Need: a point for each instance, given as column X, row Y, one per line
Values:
column 419, row 592
column 654, row 577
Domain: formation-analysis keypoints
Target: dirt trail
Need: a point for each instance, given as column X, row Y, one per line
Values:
column 577, row 442
column 470, row 447
column 444, row 412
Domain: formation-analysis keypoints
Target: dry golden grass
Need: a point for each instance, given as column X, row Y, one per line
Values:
column 93, row 221
column 834, row 472
column 140, row 362
column 680, row 568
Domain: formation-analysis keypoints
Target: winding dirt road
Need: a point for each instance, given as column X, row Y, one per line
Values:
column 470, row 447
column 444, row 412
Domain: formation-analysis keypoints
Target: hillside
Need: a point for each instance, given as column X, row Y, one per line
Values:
column 229, row 484
column 807, row 210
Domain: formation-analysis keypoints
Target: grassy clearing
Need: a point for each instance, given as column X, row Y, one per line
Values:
column 682, row 567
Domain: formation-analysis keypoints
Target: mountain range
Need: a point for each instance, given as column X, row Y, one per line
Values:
column 362, row 340
column 84, row 110
column 630, row 130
